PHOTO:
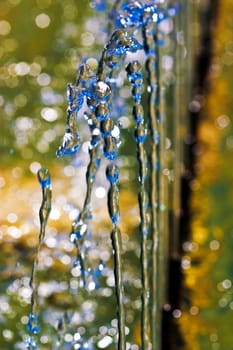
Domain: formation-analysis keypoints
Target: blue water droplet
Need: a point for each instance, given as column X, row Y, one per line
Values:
column 140, row 134
column 102, row 90
column 75, row 98
column 31, row 344
column 102, row 111
column 70, row 144
column 96, row 273
column 110, row 148
column 77, row 263
column 134, row 72
column 79, row 229
column 44, row 177
column 99, row 270
column 115, row 218
column 162, row 15
column 106, row 126
column 137, row 93
column 135, row 45
column 133, row 14
column 112, row 173
column 95, row 140
column 121, row 42
column 138, row 114
column 32, row 325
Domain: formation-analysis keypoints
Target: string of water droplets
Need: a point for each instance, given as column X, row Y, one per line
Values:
column 150, row 46
column 134, row 73
column 33, row 326
column 97, row 91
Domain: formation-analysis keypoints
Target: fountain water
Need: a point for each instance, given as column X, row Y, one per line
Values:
column 140, row 30
column 134, row 89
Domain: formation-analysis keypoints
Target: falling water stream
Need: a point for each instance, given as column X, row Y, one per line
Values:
column 139, row 29
column 33, row 319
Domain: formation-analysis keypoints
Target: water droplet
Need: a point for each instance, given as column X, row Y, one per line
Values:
column 156, row 137
column 112, row 173
column 102, row 90
column 70, row 144
column 106, row 126
column 137, row 93
column 70, row 93
column 31, row 344
column 45, row 208
column 138, row 114
column 121, row 42
column 140, row 133
column 102, row 111
column 33, row 324
column 110, row 147
column 79, row 229
column 113, row 204
column 44, row 177
column 134, row 72
column 85, row 73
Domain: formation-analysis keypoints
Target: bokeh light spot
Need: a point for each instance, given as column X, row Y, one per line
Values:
column 43, row 79
column 5, row 27
column 42, row 20
column 49, row 114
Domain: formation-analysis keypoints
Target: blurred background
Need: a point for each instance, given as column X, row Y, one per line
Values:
column 42, row 42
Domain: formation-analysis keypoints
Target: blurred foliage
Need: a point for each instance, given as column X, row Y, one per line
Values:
column 206, row 323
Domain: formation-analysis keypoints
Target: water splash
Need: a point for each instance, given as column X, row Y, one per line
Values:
column 76, row 94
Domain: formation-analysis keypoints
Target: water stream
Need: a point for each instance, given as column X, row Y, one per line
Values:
column 102, row 282
column 140, row 29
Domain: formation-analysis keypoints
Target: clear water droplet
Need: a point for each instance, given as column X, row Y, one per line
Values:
column 112, row 173
column 113, row 204
column 140, row 133
column 110, row 147
column 70, row 144
column 44, row 177
column 102, row 111
column 45, row 208
column 79, row 229
column 138, row 114
column 106, row 126
column 102, row 90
